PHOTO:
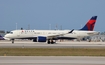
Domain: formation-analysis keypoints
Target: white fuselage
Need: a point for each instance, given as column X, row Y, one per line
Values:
column 16, row 34
column 31, row 34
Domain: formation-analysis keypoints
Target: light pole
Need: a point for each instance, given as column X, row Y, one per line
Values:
column 49, row 26
column 16, row 26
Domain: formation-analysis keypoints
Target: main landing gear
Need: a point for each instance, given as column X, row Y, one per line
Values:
column 51, row 41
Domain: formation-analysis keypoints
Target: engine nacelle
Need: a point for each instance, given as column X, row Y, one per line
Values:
column 41, row 39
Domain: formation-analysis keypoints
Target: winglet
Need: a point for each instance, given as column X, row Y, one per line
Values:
column 71, row 31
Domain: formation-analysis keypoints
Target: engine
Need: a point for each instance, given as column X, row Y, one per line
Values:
column 40, row 39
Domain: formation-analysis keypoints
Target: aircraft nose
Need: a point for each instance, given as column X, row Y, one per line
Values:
column 6, row 36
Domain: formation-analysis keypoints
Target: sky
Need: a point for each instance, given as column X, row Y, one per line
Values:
column 51, row 14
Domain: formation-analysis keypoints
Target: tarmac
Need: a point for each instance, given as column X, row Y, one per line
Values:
column 51, row 60
column 66, row 44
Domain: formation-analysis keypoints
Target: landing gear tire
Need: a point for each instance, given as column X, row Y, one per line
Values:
column 51, row 42
column 12, row 41
column 48, row 41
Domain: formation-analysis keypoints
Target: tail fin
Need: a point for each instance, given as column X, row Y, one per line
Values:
column 90, row 24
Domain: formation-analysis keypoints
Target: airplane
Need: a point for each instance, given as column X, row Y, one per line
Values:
column 51, row 35
column 36, row 35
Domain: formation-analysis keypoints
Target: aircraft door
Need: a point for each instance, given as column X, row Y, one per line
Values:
column 18, row 33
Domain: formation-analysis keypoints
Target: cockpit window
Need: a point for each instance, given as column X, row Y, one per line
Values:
column 11, row 32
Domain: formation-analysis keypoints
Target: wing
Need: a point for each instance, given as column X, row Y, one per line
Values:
column 51, row 36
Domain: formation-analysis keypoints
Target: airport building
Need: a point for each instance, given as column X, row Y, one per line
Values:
column 98, row 38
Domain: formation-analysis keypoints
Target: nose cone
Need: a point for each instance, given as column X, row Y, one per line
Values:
column 6, row 37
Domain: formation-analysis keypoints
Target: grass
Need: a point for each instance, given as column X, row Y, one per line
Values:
column 51, row 52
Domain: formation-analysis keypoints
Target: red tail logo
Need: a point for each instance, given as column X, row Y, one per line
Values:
column 90, row 24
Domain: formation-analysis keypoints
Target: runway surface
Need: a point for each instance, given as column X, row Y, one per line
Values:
column 30, row 44
column 51, row 60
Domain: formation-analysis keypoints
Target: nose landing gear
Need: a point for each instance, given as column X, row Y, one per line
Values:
column 12, row 41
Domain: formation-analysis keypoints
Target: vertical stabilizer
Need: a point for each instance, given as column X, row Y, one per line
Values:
column 90, row 24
